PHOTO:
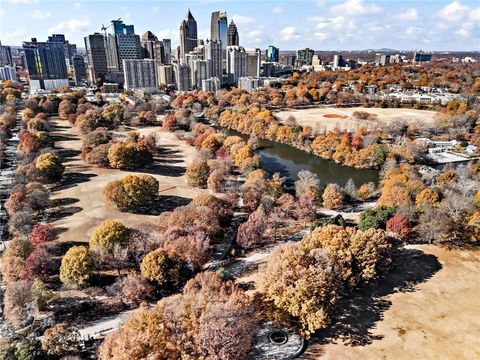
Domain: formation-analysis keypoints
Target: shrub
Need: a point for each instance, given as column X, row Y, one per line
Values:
column 50, row 167
column 38, row 264
column 133, row 191
column 15, row 202
column 76, row 266
column 29, row 349
column 13, row 259
column 99, row 156
column 158, row 267
column 399, row 225
column 18, row 303
column 109, row 234
column 133, row 289
column 221, row 208
column 197, row 174
column 302, row 285
column 41, row 233
column 250, row 233
column 333, row 197
column 129, row 155
column 61, row 339
column 375, row 218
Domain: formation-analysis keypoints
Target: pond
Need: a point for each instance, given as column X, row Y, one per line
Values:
column 288, row 161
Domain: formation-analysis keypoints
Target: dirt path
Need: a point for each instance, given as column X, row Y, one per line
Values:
column 79, row 195
column 438, row 318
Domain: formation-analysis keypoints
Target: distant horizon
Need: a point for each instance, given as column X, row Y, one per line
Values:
column 322, row 25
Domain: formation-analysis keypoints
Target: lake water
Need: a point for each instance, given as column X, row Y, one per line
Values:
column 288, row 161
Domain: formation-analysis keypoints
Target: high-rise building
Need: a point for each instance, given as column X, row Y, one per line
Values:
column 8, row 72
column 152, row 48
column 248, row 83
column 165, row 75
column 119, row 28
column 128, row 47
column 5, row 55
column 304, row 57
column 70, row 50
column 421, row 57
column 232, row 35
column 338, row 61
column 122, row 44
column 46, row 65
column 95, row 46
column 167, row 47
column 289, row 60
column 219, row 27
column 252, row 62
column 182, row 76
column 382, row 59
column 140, row 74
column 79, row 70
column 111, row 53
column 200, row 72
column 211, row 84
column 188, row 35
column 214, row 53
column 272, row 54
column 236, row 63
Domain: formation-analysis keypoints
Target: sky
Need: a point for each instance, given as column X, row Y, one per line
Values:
column 289, row 25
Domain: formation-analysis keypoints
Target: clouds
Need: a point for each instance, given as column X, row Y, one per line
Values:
column 40, row 15
column 290, row 33
column 407, row 15
column 15, row 36
column 71, row 28
column 243, row 20
column 278, row 10
column 355, row 8
column 24, row 2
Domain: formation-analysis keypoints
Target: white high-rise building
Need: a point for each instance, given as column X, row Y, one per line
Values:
column 140, row 75
column 182, row 76
column 200, row 72
column 165, row 75
column 8, row 73
column 253, row 62
column 236, row 63
column 214, row 53
column 211, row 84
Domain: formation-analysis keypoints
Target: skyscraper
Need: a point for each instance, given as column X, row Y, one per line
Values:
column 219, row 27
column 141, row 75
column 5, row 55
column 236, row 63
column 182, row 76
column 165, row 74
column 70, row 50
column 79, row 70
column 304, row 57
column 152, row 48
column 272, row 54
column 200, row 72
column 46, row 64
column 167, row 47
column 232, row 35
column 188, row 35
column 252, row 67
column 214, row 53
column 95, row 46
column 119, row 28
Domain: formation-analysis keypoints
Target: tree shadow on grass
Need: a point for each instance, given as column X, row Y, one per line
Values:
column 67, row 153
column 161, row 169
column 64, row 201
column 162, row 203
column 63, row 211
column 72, row 179
column 360, row 311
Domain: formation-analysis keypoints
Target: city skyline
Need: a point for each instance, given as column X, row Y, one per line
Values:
column 320, row 25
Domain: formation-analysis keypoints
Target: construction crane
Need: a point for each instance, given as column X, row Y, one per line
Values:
column 104, row 28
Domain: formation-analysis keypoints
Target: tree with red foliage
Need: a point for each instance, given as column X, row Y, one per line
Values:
column 399, row 225
column 41, row 233
column 250, row 233
column 170, row 123
column 38, row 264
